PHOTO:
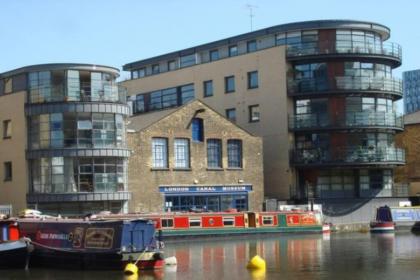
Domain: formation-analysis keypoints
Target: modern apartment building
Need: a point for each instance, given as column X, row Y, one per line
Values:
column 320, row 94
column 63, row 148
column 411, row 82
column 192, row 158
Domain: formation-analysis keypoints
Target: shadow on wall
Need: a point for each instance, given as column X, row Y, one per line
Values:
column 337, row 207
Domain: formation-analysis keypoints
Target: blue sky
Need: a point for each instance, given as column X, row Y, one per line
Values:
column 117, row 32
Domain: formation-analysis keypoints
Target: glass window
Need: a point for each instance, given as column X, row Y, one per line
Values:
column 281, row 39
column 208, row 88
column 187, row 93
column 182, row 153
column 169, row 98
column 8, row 173
column 214, row 55
column 195, row 222
column 234, row 150
column 139, row 104
column 171, row 65
column 167, row 222
column 231, row 114
column 251, row 46
column 254, row 113
column 7, row 129
column 229, row 84
column 155, row 69
column 197, row 130
column 293, row 38
column 253, row 79
column 142, row 72
column 228, row 221
column 214, row 153
column 233, row 50
column 187, row 60
column 159, row 152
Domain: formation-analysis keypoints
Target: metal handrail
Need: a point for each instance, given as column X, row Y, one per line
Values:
column 344, row 47
column 361, row 154
column 347, row 120
column 95, row 91
column 345, row 83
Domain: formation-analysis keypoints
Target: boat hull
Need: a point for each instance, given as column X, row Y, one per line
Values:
column 13, row 254
column 378, row 227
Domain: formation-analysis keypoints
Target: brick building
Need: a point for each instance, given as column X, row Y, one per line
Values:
column 191, row 157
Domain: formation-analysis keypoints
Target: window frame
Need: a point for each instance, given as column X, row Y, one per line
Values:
column 235, row 153
column 7, row 129
column 231, row 52
column 206, row 93
column 214, row 153
column 186, row 154
column 251, row 46
column 227, row 88
column 250, row 111
column 7, row 171
column 214, row 55
column 250, row 75
column 227, row 111
column 155, row 69
column 164, row 153
column 171, row 62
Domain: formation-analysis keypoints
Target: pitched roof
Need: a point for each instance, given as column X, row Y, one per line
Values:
column 143, row 121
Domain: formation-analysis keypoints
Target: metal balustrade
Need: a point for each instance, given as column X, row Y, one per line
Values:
column 344, row 84
column 387, row 49
column 347, row 155
column 366, row 119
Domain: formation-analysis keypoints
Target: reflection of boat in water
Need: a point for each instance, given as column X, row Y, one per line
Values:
column 383, row 221
column 14, row 252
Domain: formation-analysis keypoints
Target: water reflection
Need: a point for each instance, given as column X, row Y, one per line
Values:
column 335, row 256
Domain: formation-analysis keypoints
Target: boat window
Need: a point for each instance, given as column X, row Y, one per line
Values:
column 267, row 220
column 167, row 223
column 228, row 221
column 195, row 222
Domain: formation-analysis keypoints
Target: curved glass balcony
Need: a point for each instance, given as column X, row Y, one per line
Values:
column 347, row 156
column 344, row 83
column 95, row 91
column 345, row 47
column 366, row 119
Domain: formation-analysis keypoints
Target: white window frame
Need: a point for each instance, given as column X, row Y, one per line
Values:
column 159, row 152
column 181, row 153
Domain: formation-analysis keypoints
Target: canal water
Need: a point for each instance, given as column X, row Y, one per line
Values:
column 333, row 256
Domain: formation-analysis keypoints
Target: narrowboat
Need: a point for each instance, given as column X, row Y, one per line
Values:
column 188, row 224
column 383, row 221
column 87, row 244
column 14, row 252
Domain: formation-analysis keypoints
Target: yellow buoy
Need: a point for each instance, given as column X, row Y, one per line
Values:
column 258, row 274
column 131, row 269
column 256, row 263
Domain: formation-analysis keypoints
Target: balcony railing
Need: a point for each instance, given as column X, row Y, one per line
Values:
column 347, row 156
column 345, row 84
column 348, row 120
column 345, row 47
column 78, row 92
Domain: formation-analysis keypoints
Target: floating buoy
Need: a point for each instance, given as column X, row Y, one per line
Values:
column 131, row 269
column 258, row 274
column 171, row 261
column 256, row 263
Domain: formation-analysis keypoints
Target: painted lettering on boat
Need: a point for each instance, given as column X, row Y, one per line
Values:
column 99, row 238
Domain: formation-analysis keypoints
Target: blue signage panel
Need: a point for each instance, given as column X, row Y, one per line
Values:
column 207, row 189
column 405, row 214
